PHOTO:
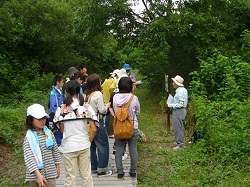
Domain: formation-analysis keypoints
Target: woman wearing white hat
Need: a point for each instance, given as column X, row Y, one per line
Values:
column 179, row 110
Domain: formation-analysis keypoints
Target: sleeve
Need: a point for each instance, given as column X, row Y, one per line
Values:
column 137, row 106
column 112, row 86
column 52, row 98
column 100, row 103
column 29, row 157
column 55, row 151
column 132, row 77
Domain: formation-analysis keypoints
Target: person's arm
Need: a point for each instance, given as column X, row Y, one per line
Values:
column 52, row 102
column 40, row 179
column 58, row 170
column 112, row 112
column 31, row 164
column 93, row 130
column 137, row 106
column 132, row 77
column 61, row 126
column 102, row 108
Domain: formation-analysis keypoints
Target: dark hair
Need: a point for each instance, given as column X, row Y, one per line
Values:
column 93, row 84
column 72, row 88
column 83, row 65
column 125, row 85
column 77, row 75
column 57, row 78
column 29, row 123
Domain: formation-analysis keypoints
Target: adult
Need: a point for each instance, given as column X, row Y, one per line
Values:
column 108, row 87
column 131, row 74
column 120, row 99
column 179, row 105
column 100, row 143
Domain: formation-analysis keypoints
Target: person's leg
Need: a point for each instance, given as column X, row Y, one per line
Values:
column 85, row 168
column 70, row 161
column 118, row 155
column 178, row 117
column 102, row 144
column 107, row 122
column 93, row 154
column 110, row 128
column 132, row 145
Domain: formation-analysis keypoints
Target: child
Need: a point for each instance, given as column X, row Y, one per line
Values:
column 41, row 154
column 56, row 100
column 73, row 118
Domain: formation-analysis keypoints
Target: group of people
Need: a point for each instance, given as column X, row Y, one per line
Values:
column 81, row 119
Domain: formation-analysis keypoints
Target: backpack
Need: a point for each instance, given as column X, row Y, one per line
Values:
column 198, row 134
column 123, row 126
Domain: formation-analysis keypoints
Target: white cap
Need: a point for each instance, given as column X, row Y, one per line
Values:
column 37, row 111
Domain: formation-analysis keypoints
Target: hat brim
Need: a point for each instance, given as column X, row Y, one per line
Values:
column 128, row 68
column 40, row 116
column 176, row 82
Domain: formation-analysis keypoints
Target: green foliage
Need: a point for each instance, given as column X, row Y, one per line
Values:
column 246, row 45
column 226, row 125
column 221, row 78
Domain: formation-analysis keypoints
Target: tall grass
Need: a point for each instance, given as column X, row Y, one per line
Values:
column 160, row 165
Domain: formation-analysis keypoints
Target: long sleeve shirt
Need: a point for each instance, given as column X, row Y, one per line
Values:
column 50, row 157
column 180, row 98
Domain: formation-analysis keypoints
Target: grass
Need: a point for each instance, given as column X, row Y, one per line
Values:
column 158, row 164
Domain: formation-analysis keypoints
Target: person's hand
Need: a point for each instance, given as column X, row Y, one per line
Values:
column 170, row 106
column 108, row 105
column 58, row 171
column 42, row 182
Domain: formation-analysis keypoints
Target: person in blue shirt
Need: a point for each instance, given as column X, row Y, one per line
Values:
column 179, row 105
column 55, row 101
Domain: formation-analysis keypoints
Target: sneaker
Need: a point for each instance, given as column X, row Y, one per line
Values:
column 124, row 156
column 94, row 171
column 177, row 148
column 120, row 176
column 133, row 175
column 113, row 157
column 104, row 174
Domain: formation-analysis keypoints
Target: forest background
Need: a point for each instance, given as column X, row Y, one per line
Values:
column 207, row 42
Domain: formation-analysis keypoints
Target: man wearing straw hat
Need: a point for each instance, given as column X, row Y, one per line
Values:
column 179, row 105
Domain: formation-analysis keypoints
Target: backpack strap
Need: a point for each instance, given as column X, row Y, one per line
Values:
column 128, row 103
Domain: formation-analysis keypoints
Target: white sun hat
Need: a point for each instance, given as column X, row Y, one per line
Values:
column 178, row 80
column 122, row 73
column 37, row 111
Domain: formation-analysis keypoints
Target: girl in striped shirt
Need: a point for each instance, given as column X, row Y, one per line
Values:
column 41, row 154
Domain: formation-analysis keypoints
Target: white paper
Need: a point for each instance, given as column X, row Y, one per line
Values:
column 170, row 99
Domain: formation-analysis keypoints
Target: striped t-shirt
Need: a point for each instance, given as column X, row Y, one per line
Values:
column 50, row 158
